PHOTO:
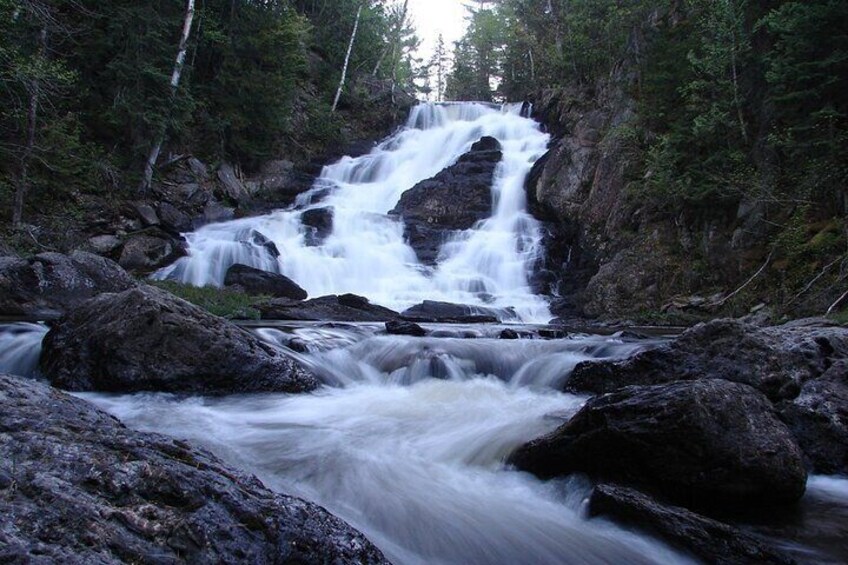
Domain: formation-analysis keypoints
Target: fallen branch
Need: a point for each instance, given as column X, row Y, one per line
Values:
column 835, row 304
column 816, row 278
column 746, row 283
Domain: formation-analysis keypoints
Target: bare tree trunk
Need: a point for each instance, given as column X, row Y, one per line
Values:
column 153, row 156
column 347, row 58
column 532, row 65
column 32, row 122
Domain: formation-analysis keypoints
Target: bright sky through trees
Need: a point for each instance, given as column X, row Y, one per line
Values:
column 432, row 17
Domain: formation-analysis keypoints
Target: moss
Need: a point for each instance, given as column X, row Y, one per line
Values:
column 224, row 302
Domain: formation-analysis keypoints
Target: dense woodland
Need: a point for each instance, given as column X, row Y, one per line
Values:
column 86, row 87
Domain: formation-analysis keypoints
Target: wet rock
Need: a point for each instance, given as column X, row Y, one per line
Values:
column 343, row 308
column 256, row 281
column 775, row 360
column 50, row 283
column 89, row 490
column 508, row 334
column 146, row 339
column 710, row 440
column 818, row 419
column 259, row 239
column 214, row 212
column 445, row 312
column 146, row 253
column 710, row 540
column 455, row 199
column 400, row 327
column 320, row 220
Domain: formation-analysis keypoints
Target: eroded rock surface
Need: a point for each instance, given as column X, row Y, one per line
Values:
column 76, row 486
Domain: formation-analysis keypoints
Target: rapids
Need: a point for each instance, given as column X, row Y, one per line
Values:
column 366, row 254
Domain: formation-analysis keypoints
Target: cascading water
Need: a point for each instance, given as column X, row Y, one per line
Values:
column 366, row 254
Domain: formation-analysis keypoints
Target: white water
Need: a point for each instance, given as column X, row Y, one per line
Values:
column 418, row 467
column 20, row 347
column 366, row 253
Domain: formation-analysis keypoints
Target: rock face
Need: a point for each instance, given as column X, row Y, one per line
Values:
column 710, row 540
column 818, row 418
column 76, row 486
column 256, row 281
column 775, row 360
column 51, row 283
column 455, row 199
column 344, row 308
column 146, row 339
column 708, row 440
column 446, row 312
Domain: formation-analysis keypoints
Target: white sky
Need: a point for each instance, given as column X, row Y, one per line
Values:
column 432, row 17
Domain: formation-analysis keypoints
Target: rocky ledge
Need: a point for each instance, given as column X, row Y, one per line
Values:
column 76, row 486
column 145, row 339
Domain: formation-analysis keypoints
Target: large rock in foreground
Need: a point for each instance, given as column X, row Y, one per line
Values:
column 76, row 486
column 50, row 283
column 146, row 339
column 343, row 308
column 712, row 541
column 776, row 360
column 703, row 441
column 454, row 199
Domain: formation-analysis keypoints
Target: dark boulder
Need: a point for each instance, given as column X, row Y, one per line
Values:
column 818, row 418
column 704, row 441
column 320, row 224
column 447, row 312
column 508, row 333
column 256, row 281
column 401, row 327
column 50, row 283
column 145, row 253
column 455, row 199
column 775, row 360
column 173, row 219
column 710, row 540
column 345, row 308
column 146, row 339
column 76, row 486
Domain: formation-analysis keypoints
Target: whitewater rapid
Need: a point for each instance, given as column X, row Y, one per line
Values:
column 366, row 253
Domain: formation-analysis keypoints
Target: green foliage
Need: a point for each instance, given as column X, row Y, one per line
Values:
column 222, row 302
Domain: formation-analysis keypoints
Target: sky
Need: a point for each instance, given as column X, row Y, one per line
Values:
column 432, row 17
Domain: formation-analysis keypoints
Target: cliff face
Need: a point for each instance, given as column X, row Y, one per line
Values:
column 612, row 253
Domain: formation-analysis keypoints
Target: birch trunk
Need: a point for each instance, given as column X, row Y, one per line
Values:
column 32, row 122
column 153, row 156
column 347, row 58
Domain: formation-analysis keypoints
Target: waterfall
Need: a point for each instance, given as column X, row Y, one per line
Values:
column 366, row 253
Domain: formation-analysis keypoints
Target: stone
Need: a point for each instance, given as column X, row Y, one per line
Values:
column 508, row 334
column 401, row 327
column 104, row 244
column 50, row 283
column 818, row 419
column 256, row 281
column 173, row 219
column 146, row 253
column 326, row 308
column 146, row 214
column 145, row 339
column 320, row 222
column 709, row 440
column 454, row 199
column 445, row 312
column 198, row 169
column 82, row 488
column 259, row 239
column 233, row 187
column 776, row 360
column 708, row 539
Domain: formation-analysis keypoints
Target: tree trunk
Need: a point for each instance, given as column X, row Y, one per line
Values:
column 153, row 156
column 32, row 123
column 347, row 58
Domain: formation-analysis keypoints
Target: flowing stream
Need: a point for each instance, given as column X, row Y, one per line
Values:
column 407, row 437
column 366, row 253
